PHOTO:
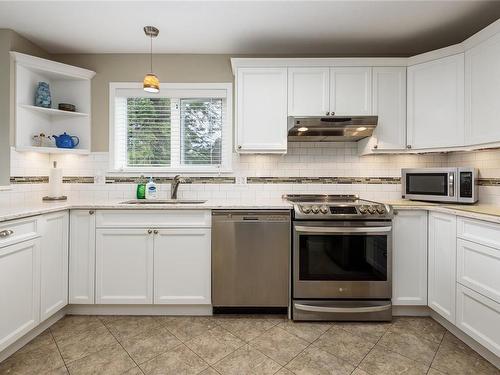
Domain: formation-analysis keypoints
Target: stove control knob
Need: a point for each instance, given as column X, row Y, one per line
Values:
column 315, row 209
column 372, row 210
column 381, row 210
column 324, row 209
column 305, row 209
column 362, row 210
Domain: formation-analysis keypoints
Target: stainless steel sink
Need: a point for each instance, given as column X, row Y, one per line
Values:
column 164, row 201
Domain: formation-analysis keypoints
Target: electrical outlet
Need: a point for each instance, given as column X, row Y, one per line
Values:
column 241, row 180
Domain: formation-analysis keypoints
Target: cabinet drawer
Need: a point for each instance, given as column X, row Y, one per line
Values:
column 478, row 268
column 153, row 218
column 479, row 231
column 479, row 317
column 18, row 230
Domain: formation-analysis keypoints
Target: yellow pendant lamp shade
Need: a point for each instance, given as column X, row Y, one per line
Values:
column 151, row 82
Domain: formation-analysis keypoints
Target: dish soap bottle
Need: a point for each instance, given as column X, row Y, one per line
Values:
column 141, row 188
column 151, row 192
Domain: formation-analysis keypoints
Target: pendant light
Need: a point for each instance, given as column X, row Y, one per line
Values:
column 151, row 82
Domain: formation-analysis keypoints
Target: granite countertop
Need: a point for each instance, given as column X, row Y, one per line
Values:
column 479, row 211
column 20, row 211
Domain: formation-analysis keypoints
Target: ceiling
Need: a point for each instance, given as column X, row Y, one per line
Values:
column 326, row 28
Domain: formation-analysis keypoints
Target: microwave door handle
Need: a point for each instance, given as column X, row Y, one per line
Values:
column 306, row 229
column 451, row 184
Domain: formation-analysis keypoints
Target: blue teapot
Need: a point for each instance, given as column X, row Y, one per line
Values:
column 66, row 141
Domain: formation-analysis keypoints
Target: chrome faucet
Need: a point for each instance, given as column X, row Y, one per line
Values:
column 174, row 186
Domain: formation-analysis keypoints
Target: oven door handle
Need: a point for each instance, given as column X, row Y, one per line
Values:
column 349, row 310
column 306, row 229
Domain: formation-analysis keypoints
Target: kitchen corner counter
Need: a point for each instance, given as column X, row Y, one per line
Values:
column 480, row 211
column 33, row 209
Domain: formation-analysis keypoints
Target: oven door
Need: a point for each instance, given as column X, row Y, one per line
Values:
column 342, row 260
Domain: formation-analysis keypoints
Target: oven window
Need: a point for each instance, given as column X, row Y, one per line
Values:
column 427, row 184
column 343, row 257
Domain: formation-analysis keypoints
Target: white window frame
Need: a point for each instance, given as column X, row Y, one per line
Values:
column 227, row 129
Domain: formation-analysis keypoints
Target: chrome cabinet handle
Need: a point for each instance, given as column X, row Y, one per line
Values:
column 6, row 233
column 155, row 231
column 327, row 113
column 150, row 231
column 408, row 146
column 302, row 307
column 239, row 147
column 91, row 212
column 375, row 147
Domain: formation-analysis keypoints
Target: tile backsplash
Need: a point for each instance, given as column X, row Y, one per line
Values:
column 333, row 168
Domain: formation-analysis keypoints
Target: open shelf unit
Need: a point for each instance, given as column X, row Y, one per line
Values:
column 68, row 84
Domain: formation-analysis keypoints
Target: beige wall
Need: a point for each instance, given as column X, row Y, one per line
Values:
column 10, row 41
column 131, row 68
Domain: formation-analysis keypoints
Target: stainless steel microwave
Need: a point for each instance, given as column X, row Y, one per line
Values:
column 440, row 184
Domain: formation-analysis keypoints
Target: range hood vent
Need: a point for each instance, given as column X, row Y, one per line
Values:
column 330, row 128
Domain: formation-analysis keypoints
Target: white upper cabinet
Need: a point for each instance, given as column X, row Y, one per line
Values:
column 261, row 110
column 308, row 91
column 482, row 88
column 54, row 263
column 409, row 258
column 435, row 114
column 351, row 90
column 389, row 104
column 442, row 264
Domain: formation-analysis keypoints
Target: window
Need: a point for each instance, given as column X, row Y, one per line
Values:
column 185, row 127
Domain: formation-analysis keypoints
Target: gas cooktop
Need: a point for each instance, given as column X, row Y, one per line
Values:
column 335, row 207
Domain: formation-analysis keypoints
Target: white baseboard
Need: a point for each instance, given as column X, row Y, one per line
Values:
column 15, row 346
column 481, row 350
column 139, row 310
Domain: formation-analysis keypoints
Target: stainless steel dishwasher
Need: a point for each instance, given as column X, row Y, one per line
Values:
column 250, row 261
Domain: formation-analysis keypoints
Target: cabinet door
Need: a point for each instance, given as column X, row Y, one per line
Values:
column 82, row 257
column 435, row 112
column 261, row 110
column 182, row 266
column 389, row 104
column 482, row 85
column 442, row 264
column 308, row 91
column 124, row 266
column 351, row 90
column 20, row 293
column 409, row 258
column 479, row 318
column 54, row 263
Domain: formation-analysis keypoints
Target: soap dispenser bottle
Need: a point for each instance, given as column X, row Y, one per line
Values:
column 141, row 188
column 151, row 191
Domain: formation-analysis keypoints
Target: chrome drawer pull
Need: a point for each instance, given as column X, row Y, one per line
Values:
column 6, row 233
column 299, row 306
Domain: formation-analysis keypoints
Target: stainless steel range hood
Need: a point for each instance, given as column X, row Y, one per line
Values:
column 330, row 128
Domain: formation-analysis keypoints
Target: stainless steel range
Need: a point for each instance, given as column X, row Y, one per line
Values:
column 341, row 258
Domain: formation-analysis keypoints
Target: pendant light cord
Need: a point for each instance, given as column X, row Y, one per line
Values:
column 151, row 53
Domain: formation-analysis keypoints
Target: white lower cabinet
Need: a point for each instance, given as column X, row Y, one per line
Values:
column 182, row 259
column 442, row 264
column 479, row 317
column 20, row 290
column 409, row 258
column 53, row 263
column 124, row 266
column 82, row 257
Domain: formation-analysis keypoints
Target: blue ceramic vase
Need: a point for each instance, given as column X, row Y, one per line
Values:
column 42, row 95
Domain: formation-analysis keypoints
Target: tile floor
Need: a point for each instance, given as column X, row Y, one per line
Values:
column 243, row 345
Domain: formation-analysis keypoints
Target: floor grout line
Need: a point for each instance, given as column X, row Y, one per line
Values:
column 119, row 343
column 435, row 354
column 59, row 350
